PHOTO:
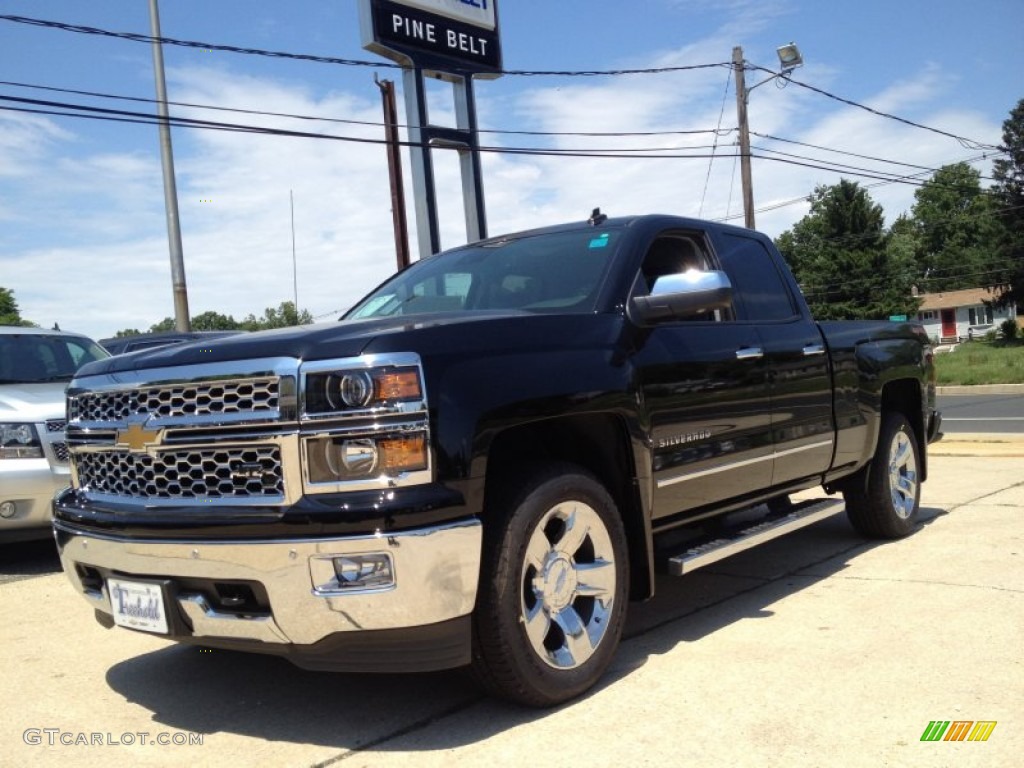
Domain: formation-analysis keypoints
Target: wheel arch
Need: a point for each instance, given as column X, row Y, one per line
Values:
column 599, row 444
column 904, row 396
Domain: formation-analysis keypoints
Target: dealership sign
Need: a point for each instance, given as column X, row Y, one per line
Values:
column 442, row 35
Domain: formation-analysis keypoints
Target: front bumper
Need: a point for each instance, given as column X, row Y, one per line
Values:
column 29, row 485
column 291, row 599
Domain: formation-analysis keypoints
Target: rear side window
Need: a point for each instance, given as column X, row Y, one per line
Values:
column 759, row 286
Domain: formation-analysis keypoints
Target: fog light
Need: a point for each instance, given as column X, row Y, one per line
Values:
column 359, row 457
column 373, row 571
column 8, row 509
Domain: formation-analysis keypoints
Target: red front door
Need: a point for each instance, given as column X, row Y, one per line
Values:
column 948, row 323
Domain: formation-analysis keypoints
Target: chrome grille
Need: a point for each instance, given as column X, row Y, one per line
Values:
column 56, row 425
column 60, row 450
column 178, row 400
column 194, row 473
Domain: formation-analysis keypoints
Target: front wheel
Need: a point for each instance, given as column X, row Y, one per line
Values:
column 552, row 598
column 885, row 504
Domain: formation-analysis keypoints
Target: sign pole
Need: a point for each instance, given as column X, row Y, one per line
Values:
column 455, row 41
column 469, row 159
column 428, row 231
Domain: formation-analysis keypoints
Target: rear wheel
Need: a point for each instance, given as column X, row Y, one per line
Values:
column 885, row 503
column 553, row 590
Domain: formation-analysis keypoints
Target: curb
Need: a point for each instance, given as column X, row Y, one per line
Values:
column 979, row 444
column 981, row 389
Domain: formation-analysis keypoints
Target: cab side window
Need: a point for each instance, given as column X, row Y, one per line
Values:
column 671, row 254
column 755, row 277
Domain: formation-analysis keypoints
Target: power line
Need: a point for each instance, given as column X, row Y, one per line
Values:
column 40, row 106
column 374, row 124
column 853, row 154
column 140, row 38
column 805, row 198
column 711, row 162
column 965, row 142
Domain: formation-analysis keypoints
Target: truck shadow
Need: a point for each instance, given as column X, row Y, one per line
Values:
column 25, row 559
column 264, row 697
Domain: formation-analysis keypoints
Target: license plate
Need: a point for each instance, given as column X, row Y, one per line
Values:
column 138, row 605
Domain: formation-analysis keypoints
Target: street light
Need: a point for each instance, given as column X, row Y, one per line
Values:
column 789, row 59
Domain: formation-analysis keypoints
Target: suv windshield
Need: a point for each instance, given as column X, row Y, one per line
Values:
column 553, row 272
column 33, row 358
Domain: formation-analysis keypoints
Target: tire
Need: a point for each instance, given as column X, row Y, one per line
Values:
column 885, row 503
column 553, row 589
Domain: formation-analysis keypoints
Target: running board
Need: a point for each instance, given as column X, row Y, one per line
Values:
column 745, row 538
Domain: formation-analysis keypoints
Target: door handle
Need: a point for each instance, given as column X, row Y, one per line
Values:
column 749, row 353
column 814, row 349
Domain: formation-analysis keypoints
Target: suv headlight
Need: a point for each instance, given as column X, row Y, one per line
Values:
column 19, row 441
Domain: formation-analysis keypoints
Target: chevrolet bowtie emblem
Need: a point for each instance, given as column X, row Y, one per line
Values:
column 136, row 438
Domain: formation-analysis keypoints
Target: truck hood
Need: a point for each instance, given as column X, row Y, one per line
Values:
column 32, row 402
column 351, row 338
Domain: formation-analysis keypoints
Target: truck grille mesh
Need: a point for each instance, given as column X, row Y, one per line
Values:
column 178, row 400
column 240, row 472
column 60, row 449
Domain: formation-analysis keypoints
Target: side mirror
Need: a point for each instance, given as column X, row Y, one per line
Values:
column 685, row 294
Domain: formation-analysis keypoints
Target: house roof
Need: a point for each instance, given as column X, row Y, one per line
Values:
column 969, row 297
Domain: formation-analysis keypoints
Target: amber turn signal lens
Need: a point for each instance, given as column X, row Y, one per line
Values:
column 403, row 454
column 398, row 385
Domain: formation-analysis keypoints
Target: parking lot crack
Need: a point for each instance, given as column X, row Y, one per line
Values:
column 418, row 725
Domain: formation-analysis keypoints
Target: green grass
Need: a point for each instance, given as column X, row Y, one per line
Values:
column 980, row 362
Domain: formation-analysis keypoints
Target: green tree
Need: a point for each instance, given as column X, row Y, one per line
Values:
column 956, row 231
column 284, row 316
column 844, row 259
column 214, row 321
column 1008, row 190
column 207, row 321
column 9, row 312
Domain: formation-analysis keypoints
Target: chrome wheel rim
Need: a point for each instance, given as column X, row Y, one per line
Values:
column 902, row 475
column 568, row 585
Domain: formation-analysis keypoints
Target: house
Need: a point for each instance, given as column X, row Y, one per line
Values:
column 952, row 316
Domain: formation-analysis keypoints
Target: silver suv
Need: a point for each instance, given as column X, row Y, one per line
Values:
column 35, row 368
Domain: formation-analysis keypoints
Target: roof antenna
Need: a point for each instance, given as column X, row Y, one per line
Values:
column 597, row 218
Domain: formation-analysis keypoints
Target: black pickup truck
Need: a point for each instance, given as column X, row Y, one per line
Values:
column 489, row 456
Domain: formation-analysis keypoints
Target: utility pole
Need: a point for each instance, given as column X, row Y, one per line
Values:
column 181, row 315
column 295, row 264
column 401, row 226
column 741, row 112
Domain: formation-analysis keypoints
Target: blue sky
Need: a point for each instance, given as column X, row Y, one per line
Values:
column 82, row 228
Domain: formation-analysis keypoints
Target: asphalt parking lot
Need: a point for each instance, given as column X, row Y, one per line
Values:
column 817, row 649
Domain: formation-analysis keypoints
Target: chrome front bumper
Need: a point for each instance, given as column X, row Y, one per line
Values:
column 436, row 571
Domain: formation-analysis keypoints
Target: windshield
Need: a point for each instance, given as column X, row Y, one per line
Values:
column 547, row 273
column 31, row 358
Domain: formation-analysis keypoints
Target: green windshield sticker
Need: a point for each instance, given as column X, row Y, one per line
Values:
column 600, row 242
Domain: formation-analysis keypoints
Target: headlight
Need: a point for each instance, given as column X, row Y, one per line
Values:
column 342, row 391
column 19, row 441
column 364, row 423
column 343, row 459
